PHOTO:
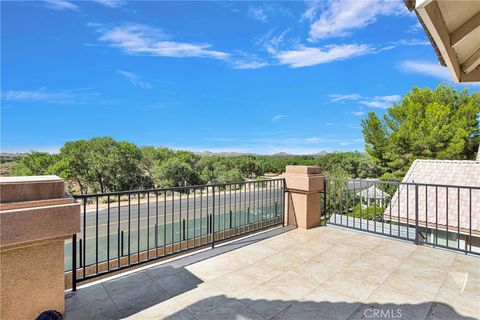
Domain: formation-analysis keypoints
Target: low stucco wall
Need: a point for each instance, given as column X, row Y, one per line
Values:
column 35, row 220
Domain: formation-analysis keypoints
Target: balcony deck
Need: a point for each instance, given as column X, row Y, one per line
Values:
column 322, row 273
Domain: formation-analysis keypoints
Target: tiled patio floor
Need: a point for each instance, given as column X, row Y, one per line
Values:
column 323, row 273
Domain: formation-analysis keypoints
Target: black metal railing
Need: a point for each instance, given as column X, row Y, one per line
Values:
column 445, row 216
column 123, row 229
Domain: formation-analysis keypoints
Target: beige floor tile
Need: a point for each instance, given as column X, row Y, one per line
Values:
column 301, row 252
column 422, row 280
column 207, row 270
column 281, row 261
column 376, row 258
column 315, row 271
column 265, row 291
column 298, row 235
column 186, row 304
column 462, row 282
column 318, row 246
column 262, row 272
column 468, row 264
column 431, row 257
column 324, row 294
column 395, row 248
column 464, row 302
column 234, row 283
column 357, row 288
column 257, row 252
column 280, row 243
column 362, row 242
column 394, row 295
column 366, row 271
column 291, row 284
column 339, row 255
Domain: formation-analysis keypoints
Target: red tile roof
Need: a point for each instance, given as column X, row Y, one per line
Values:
column 463, row 207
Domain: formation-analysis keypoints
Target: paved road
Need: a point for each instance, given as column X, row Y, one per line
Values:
column 250, row 207
column 176, row 209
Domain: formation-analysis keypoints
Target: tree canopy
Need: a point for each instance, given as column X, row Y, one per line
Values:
column 440, row 123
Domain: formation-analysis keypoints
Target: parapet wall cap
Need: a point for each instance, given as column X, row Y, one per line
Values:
column 303, row 170
column 29, row 179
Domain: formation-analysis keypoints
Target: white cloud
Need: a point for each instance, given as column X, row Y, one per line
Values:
column 258, row 13
column 243, row 60
column 278, row 117
column 42, row 95
column 262, row 12
column 358, row 113
column 412, row 42
column 382, row 102
column 341, row 17
column 312, row 10
column 415, row 28
column 142, row 39
column 342, row 97
column 329, row 123
column 271, row 43
column 61, row 5
column 248, row 64
column 426, row 68
column 309, row 56
column 134, row 79
column 269, row 144
column 110, row 3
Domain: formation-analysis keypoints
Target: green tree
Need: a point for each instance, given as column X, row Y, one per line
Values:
column 247, row 166
column 174, row 172
column 348, row 165
column 126, row 166
column 102, row 164
column 427, row 124
column 36, row 163
column 74, row 155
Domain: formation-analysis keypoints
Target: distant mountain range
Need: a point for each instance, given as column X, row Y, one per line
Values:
column 237, row 154
column 11, row 156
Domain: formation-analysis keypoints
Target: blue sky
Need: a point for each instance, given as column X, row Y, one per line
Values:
column 260, row 77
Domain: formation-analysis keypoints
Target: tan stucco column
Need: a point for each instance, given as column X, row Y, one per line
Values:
column 36, row 217
column 303, row 191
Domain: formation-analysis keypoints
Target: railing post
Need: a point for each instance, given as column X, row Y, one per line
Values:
column 122, row 238
column 80, row 246
column 416, row 214
column 183, row 229
column 325, row 202
column 285, row 202
column 212, row 224
column 304, row 185
column 74, row 262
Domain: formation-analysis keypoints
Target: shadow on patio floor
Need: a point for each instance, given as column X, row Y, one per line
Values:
column 129, row 294
column 224, row 308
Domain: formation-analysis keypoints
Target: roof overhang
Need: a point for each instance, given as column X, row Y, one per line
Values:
column 454, row 30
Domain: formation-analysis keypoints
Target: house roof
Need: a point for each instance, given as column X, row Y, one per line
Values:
column 453, row 28
column 373, row 193
column 462, row 205
column 360, row 184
